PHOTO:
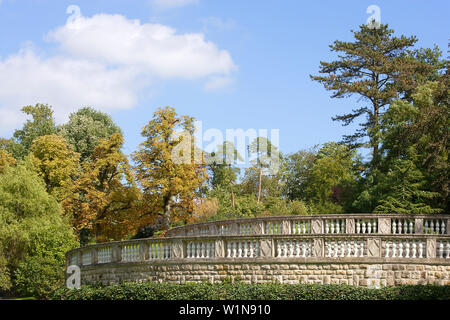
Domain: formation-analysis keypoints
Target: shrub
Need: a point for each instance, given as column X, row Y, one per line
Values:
column 242, row 291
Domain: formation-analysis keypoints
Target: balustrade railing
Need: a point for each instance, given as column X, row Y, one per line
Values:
column 327, row 237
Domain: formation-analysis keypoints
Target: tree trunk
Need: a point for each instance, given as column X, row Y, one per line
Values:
column 166, row 213
column 232, row 194
column 259, row 188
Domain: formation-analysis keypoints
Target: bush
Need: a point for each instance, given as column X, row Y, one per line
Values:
column 242, row 291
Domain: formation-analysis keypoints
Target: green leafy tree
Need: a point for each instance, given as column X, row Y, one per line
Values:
column 332, row 177
column 265, row 158
column 85, row 129
column 224, row 175
column 40, row 124
column 378, row 68
column 32, row 229
column 297, row 167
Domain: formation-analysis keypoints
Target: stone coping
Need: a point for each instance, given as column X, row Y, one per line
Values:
column 336, row 236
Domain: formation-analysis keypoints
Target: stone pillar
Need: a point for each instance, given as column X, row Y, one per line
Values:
column 286, row 227
column 143, row 251
column 431, row 248
column 350, row 225
column 94, row 256
column 448, row 226
column 418, row 229
column 116, row 253
column 316, row 226
column 266, row 248
column 177, row 249
column 235, row 228
column 219, row 249
column 384, row 225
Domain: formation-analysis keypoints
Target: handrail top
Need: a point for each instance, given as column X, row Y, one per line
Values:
column 343, row 236
column 312, row 216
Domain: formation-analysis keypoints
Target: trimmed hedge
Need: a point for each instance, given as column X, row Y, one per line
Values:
column 241, row 291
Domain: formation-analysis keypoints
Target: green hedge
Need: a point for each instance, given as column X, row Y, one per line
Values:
column 241, row 291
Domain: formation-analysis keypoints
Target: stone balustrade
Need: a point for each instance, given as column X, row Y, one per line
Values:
column 354, row 239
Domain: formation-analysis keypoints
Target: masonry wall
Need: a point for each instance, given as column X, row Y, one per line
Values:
column 373, row 274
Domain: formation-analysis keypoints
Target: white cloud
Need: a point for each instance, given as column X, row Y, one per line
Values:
column 169, row 4
column 154, row 48
column 104, row 61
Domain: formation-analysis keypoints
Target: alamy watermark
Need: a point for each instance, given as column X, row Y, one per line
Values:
column 236, row 146
column 374, row 21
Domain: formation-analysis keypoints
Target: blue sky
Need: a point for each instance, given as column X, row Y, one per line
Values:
column 231, row 64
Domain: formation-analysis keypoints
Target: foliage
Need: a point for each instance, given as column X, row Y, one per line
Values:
column 31, row 227
column 6, row 160
column 242, row 291
column 85, row 128
column 41, row 124
column 378, row 67
column 55, row 162
column 100, row 204
column 167, row 168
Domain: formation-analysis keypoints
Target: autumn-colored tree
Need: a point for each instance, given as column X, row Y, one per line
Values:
column 100, row 204
column 6, row 160
column 55, row 162
column 168, row 168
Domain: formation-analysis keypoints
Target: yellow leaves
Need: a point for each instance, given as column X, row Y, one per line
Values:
column 99, row 201
column 55, row 161
column 6, row 160
column 158, row 173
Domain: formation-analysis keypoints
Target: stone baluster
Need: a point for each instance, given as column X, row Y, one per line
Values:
column 414, row 249
column 407, row 249
column 335, row 248
column 355, row 253
column 411, row 227
column 328, row 248
column 361, row 249
column 386, row 252
column 447, row 249
column 349, row 248
column 394, row 249
column 442, row 227
column 432, row 227
column 394, row 226
column 369, row 227
column 331, row 226
column 363, row 229
column 441, row 250
column 358, row 227
column 400, row 249
column 420, row 253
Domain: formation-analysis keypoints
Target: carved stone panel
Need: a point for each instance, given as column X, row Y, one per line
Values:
column 374, row 248
column 384, row 225
column 177, row 249
column 317, row 248
column 418, row 226
column 350, row 225
column 316, row 226
column 266, row 248
column 431, row 248
column 258, row 228
column 219, row 249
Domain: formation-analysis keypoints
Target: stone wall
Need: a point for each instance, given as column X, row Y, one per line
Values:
column 371, row 274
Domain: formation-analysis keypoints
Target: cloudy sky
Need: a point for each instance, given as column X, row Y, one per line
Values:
column 231, row 64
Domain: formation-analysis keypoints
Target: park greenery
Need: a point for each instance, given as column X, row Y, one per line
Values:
column 62, row 186
column 242, row 291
